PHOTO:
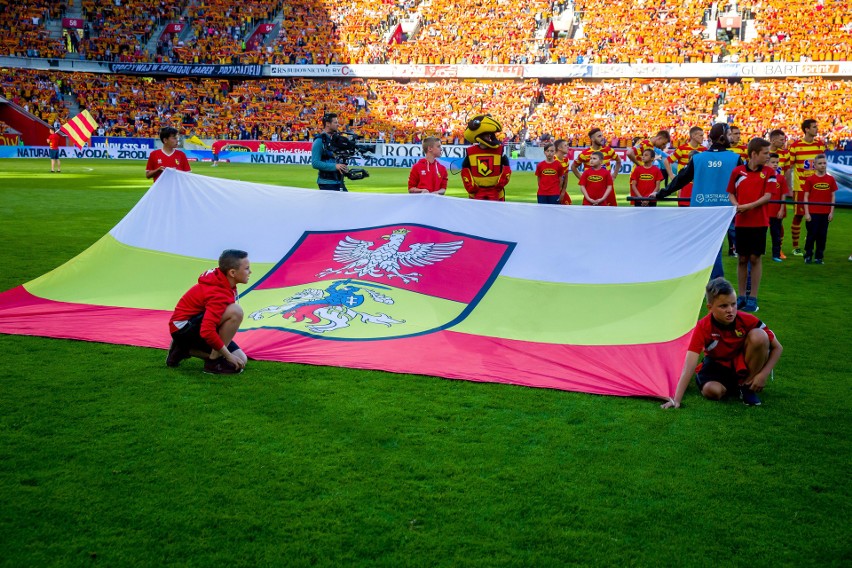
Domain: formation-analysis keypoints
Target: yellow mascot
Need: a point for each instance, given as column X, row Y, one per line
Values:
column 485, row 170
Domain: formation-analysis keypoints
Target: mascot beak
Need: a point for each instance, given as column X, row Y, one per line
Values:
column 482, row 129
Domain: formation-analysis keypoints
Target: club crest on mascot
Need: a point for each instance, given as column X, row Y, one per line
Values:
column 485, row 170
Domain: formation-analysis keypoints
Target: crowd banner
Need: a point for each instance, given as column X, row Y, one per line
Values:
column 64, row 152
column 248, row 152
column 569, row 71
column 179, row 70
column 418, row 284
column 484, row 71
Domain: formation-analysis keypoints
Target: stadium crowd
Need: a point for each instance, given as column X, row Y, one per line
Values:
column 118, row 30
column 652, row 31
column 473, row 31
column 570, row 107
column 23, row 32
column 223, row 32
column 328, row 33
column 447, row 32
column 37, row 92
column 800, row 30
column 289, row 109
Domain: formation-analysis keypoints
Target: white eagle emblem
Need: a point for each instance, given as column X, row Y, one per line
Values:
column 387, row 259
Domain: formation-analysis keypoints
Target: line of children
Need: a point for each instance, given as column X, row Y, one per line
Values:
column 752, row 186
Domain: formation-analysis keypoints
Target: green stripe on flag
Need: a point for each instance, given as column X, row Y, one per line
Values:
column 587, row 314
column 110, row 273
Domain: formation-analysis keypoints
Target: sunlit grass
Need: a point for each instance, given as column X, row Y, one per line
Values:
column 107, row 457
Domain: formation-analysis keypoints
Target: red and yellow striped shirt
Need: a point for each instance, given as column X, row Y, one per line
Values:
column 802, row 157
column 741, row 151
column 583, row 157
column 783, row 158
column 641, row 146
column 682, row 153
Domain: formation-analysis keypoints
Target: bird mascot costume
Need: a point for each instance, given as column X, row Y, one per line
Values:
column 485, row 170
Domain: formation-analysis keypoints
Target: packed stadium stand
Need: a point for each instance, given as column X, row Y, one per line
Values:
column 443, row 31
column 118, row 31
column 222, row 31
column 572, row 108
column 795, row 30
column 316, row 32
column 37, row 92
column 473, row 31
column 23, row 32
column 289, row 109
column 625, row 31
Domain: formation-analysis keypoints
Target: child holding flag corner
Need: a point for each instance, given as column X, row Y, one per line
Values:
column 739, row 351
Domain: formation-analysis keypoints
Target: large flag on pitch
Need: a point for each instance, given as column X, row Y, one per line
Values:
column 80, row 128
column 593, row 299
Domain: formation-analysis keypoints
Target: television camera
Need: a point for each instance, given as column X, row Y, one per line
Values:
column 346, row 147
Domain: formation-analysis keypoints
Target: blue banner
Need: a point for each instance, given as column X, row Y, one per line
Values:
column 121, row 143
column 187, row 70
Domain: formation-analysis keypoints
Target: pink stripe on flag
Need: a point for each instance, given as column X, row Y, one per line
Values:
column 21, row 313
column 624, row 370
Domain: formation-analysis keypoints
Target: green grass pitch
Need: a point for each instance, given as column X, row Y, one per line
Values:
column 107, row 458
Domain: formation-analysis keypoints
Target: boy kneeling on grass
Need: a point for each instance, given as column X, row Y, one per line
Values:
column 739, row 350
column 207, row 318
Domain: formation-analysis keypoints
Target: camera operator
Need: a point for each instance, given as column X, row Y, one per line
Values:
column 323, row 159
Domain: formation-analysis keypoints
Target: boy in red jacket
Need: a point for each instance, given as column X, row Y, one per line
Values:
column 207, row 318
column 429, row 175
